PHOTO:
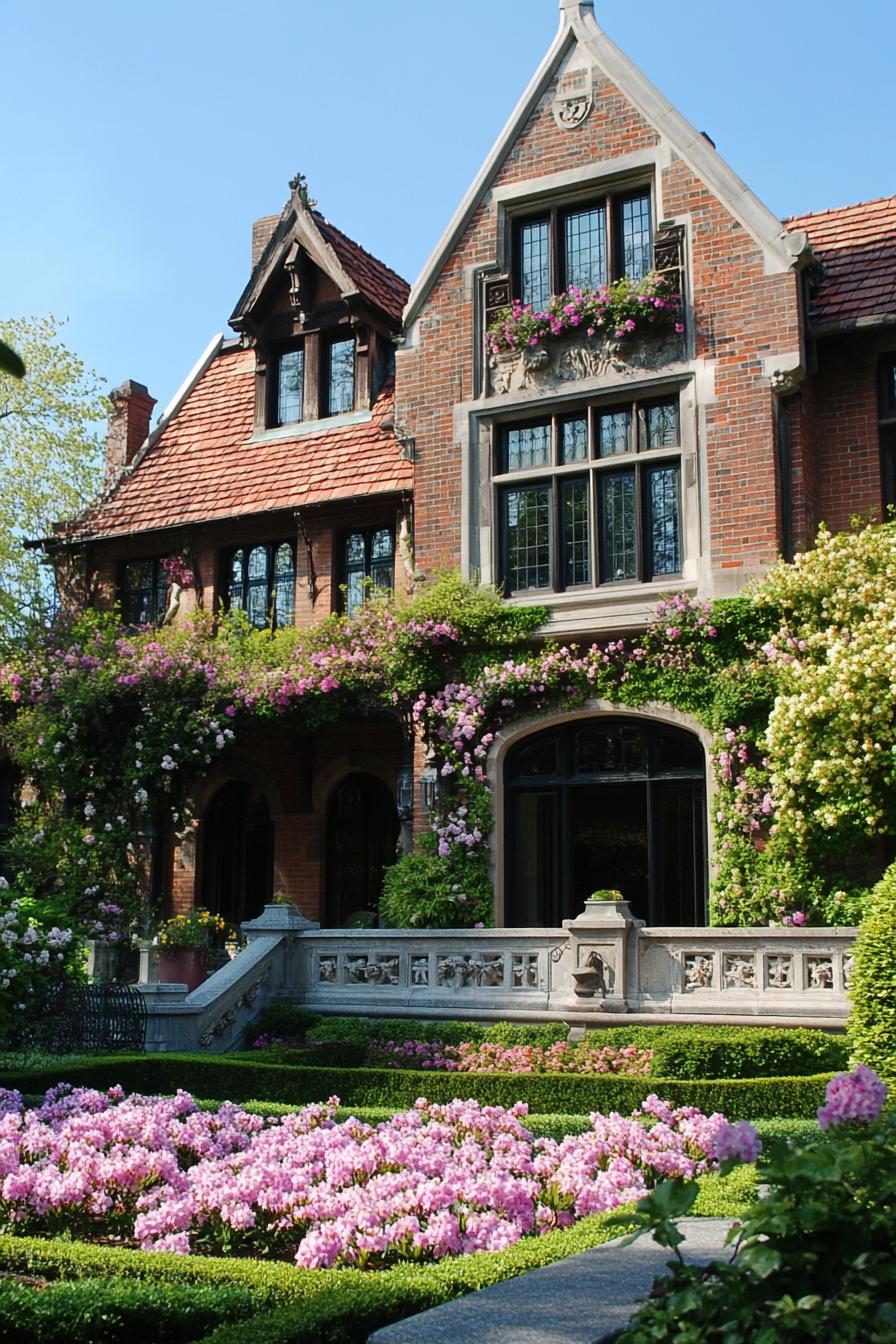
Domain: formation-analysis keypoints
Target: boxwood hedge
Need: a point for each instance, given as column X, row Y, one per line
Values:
column 243, row 1080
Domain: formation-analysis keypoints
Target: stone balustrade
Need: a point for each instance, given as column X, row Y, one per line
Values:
column 594, row 969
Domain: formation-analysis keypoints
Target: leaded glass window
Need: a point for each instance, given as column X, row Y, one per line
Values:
column 143, row 591
column 261, row 581
column 369, row 564
column 602, row 500
column 586, row 244
column 341, row 377
column 290, row 386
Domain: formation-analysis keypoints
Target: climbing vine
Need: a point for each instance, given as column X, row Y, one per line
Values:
column 795, row 683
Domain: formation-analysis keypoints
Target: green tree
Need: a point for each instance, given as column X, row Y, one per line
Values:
column 50, row 422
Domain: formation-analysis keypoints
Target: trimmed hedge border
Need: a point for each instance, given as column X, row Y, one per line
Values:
column 107, row 1312
column 306, row 1306
column 245, row 1080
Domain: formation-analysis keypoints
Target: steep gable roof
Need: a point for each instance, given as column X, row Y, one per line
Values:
column 578, row 27
column 856, row 248
column 202, row 464
column 347, row 263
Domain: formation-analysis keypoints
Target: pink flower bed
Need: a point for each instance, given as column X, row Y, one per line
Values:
column 433, row 1181
column 490, row 1058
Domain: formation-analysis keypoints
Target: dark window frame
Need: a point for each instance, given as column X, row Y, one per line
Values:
column 639, row 461
column 371, row 565
column 886, row 425
column 565, row 778
column 156, row 589
column 611, row 204
column 274, row 418
column 317, row 377
column 274, row 618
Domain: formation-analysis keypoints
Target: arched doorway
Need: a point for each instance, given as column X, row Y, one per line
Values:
column 362, row 832
column 606, row 803
column 237, row 853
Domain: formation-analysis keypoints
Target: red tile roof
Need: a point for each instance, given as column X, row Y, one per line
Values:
column 202, row 466
column 856, row 246
column 374, row 278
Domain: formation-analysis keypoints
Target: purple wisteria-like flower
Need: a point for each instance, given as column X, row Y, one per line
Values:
column 737, row 1142
column 853, row 1098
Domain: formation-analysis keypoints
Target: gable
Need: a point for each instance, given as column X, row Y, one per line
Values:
column 617, row 87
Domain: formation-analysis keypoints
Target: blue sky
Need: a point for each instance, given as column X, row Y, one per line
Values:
column 150, row 136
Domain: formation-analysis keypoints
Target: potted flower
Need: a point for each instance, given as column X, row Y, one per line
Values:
column 183, row 944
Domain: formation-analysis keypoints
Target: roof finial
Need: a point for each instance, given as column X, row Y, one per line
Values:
column 575, row 9
column 298, row 185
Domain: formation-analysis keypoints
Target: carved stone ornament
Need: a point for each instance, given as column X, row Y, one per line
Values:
column 740, row 971
column 820, row 971
column 779, row 971
column 468, row 970
column 699, row 971
column 571, row 358
column 574, row 98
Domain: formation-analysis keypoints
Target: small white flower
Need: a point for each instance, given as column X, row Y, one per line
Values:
column 89, row 810
column 57, row 748
column 108, row 826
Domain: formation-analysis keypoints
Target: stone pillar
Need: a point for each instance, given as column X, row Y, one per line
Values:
column 599, row 944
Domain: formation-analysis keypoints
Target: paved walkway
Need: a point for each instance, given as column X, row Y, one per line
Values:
column 585, row 1299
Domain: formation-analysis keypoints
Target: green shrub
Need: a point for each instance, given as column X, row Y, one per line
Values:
column 305, row 1306
column 104, row 1311
column 290, row 1021
column 363, row 1030
column 704, row 1052
column 872, row 1025
column 240, row 1079
column 815, row 1255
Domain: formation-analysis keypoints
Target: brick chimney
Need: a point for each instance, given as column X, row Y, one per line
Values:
column 262, row 232
column 128, row 426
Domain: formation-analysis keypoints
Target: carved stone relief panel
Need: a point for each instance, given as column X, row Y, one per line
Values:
column 327, row 970
column 699, row 971
column 739, row 970
column 420, row 970
column 361, row 969
column 820, row 972
column 779, row 971
column 471, row 969
column 573, row 358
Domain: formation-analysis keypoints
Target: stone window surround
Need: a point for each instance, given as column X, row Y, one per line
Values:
column 607, row 605
column 516, row 732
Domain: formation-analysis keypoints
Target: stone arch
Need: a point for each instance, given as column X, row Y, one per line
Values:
column 514, row 734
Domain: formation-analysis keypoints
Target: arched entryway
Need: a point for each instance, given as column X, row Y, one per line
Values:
column 606, row 803
column 362, row 832
column 237, row 853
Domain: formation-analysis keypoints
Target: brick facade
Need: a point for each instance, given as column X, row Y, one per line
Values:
column 776, row 379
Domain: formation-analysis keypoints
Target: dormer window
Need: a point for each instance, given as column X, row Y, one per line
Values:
column 340, row 377
column 290, row 386
column 586, row 244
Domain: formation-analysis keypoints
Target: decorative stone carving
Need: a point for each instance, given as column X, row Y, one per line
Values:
column 576, row 356
column 231, row 1014
column 524, row 971
column 740, row 971
column 574, row 98
column 820, row 972
column 326, row 970
column 594, row 976
column 699, row 971
column 364, row 970
column 463, row 970
column 847, row 970
column 419, row 970
column 779, row 971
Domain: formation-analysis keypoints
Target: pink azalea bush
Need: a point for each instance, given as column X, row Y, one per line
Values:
column 853, row 1098
column 488, row 1057
column 433, row 1181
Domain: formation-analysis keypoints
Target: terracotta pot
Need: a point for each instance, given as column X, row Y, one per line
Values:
column 182, row 966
